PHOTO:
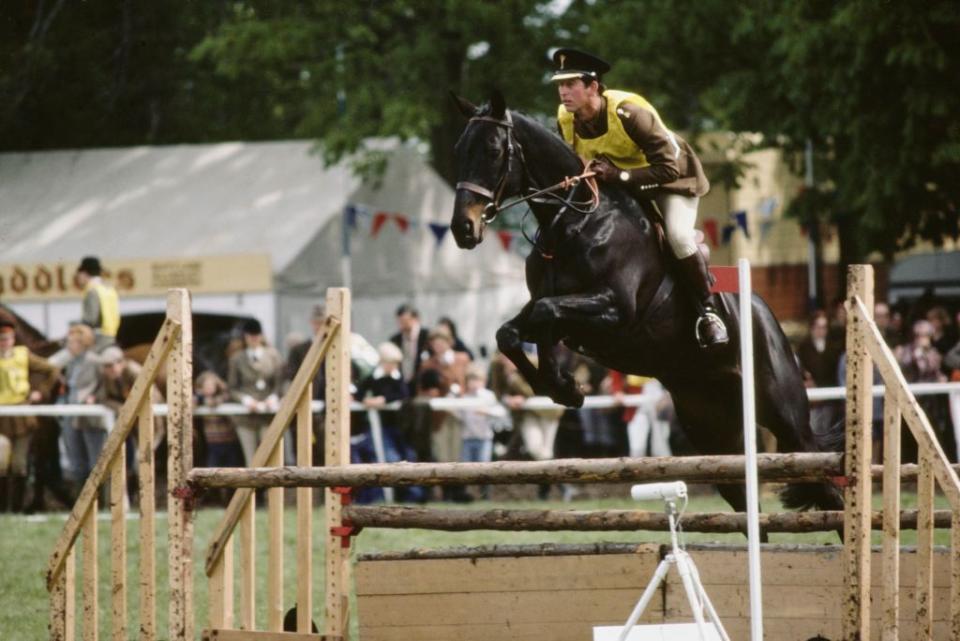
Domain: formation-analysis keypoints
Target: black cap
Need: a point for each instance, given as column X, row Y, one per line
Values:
column 252, row 326
column 573, row 63
column 90, row 265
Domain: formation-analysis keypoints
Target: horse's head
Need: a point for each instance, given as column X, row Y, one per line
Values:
column 489, row 168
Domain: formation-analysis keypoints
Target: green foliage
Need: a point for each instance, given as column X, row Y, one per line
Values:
column 871, row 84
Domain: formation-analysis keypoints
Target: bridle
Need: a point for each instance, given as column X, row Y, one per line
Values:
column 493, row 208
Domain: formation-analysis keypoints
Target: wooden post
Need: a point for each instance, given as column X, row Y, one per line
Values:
column 955, row 578
column 275, row 546
column 857, row 495
column 925, row 493
column 890, row 582
column 63, row 601
column 118, row 545
column 337, row 454
column 221, row 590
column 248, row 565
column 305, row 514
column 179, row 463
column 90, row 579
column 148, row 532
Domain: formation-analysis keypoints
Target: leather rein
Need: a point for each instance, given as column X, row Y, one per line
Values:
column 570, row 183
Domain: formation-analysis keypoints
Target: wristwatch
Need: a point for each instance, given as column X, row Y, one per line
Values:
column 624, row 176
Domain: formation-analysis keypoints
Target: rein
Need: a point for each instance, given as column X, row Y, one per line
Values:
column 570, row 183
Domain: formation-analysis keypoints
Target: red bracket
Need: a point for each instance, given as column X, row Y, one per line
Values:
column 725, row 279
column 347, row 529
column 840, row 481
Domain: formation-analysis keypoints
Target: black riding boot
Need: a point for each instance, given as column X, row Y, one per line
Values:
column 4, row 492
column 710, row 330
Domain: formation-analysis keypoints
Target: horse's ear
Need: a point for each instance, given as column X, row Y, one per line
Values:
column 498, row 105
column 466, row 107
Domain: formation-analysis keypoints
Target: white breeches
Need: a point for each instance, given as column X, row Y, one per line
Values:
column 679, row 216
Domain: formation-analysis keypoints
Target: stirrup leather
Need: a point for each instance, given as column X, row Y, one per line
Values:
column 710, row 317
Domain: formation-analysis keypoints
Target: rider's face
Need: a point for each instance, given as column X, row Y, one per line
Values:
column 573, row 94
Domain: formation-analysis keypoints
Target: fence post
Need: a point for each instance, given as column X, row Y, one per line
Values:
column 857, row 495
column 337, row 453
column 179, row 463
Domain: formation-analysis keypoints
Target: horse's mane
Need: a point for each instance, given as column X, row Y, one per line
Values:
column 548, row 147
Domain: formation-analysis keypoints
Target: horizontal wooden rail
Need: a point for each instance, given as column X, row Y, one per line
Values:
column 605, row 520
column 796, row 467
column 703, row 469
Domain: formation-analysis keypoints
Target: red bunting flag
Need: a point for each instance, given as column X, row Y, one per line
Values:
column 402, row 222
column 379, row 219
column 710, row 229
column 506, row 238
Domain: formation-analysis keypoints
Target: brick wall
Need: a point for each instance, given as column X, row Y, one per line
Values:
column 784, row 287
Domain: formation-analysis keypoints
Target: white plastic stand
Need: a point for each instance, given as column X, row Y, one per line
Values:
column 704, row 628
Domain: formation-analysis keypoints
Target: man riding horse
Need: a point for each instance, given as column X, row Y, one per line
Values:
column 624, row 141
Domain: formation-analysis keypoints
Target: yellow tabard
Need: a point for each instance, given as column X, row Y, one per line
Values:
column 15, row 377
column 109, row 308
column 616, row 144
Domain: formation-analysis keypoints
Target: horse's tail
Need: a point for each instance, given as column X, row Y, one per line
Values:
column 829, row 435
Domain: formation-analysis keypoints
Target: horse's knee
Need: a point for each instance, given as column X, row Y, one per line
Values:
column 543, row 311
column 508, row 338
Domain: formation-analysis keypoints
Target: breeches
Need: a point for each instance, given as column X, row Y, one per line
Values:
column 680, row 215
column 13, row 454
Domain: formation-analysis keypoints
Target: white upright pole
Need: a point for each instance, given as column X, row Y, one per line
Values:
column 750, row 448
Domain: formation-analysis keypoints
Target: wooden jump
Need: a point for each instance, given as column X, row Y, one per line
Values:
column 398, row 517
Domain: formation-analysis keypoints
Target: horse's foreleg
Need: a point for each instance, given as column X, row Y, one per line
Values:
column 510, row 338
column 556, row 316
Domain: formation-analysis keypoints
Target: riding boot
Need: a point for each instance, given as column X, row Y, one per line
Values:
column 710, row 330
column 4, row 493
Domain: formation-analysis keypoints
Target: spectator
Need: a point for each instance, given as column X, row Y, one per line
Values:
column 451, row 364
column 944, row 332
column 819, row 358
column 383, row 387
column 318, row 317
column 479, row 423
column 646, row 434
column 458, row 345
column 412, row 341
column 537, row 428
column 83, row 438
column 920, row 362
column 219, row 432
column 17, row 364
column 951, row 365
column 101, row 309
column 884, row 320
column 837, row 333
column 254, row 378
column 117, row 376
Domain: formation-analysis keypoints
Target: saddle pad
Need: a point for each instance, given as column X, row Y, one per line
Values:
column 664, row 632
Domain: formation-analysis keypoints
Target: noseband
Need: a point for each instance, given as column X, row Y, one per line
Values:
column 493, row 208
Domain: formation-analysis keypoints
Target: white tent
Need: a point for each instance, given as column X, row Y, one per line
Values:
column 274, row 201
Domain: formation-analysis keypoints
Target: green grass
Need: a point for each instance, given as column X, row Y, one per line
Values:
column 25, row 546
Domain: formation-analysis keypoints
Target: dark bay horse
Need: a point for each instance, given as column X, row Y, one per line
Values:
column 600, row 282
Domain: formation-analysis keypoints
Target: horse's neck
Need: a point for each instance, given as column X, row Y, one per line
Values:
column 549, row 159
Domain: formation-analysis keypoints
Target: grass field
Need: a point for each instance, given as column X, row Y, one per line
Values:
column 25, row 546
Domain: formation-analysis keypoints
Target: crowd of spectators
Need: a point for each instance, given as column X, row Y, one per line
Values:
column 398, row 378
column 925, row 342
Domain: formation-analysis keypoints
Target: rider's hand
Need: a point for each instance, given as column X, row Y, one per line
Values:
column 604, row 169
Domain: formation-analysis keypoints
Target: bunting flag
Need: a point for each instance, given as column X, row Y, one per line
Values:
column 728, row 230
column 379, row 219
column 439, row 231
column 350, row 216
column 767, row 206
column 506, row 237
column 710, row 229
column 402, row 222
column 741, row 218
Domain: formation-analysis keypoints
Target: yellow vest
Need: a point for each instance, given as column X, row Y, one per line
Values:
column 109, row 308
column 15, row 377
column 616, row 144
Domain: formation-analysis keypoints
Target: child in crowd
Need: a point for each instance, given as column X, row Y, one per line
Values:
column 479, row 423
column 219, row 432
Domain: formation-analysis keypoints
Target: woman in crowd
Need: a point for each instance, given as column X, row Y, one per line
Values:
column 17, row 366
column 83, row 437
